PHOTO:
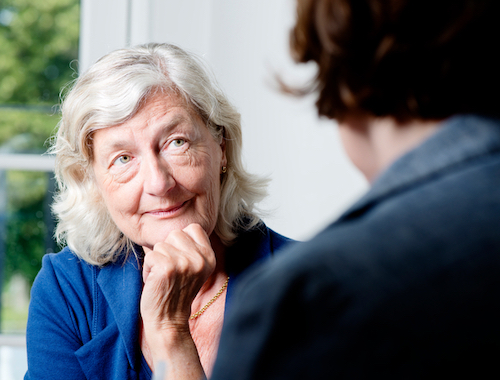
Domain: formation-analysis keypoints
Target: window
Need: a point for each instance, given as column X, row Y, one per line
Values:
column 38, row 46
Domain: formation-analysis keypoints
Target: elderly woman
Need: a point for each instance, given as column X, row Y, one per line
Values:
column 158, row 215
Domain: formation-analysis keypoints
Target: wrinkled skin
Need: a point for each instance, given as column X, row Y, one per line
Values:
column 159, row 176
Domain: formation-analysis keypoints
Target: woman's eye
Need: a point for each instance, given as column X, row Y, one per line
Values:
column 122, row 160
column 177, row 143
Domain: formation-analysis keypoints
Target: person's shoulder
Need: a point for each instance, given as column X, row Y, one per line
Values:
column 64, row 268
column 299, row 253
column 279, row 241
column 450, row 214
column 414, row 233
column 293, row 263
column 65, row 260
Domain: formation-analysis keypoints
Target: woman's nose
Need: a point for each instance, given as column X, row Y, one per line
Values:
column 158, row 179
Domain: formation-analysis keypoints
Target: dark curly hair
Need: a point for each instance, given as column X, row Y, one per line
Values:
column 410, row 59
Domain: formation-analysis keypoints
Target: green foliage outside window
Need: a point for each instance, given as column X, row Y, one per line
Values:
column 38, row 50
column 38, row 41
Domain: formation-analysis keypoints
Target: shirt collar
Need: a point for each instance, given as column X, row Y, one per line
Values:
column 460, row 138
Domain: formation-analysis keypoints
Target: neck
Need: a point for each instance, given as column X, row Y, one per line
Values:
column 373, row 144
column 218, row 276
column 219, row 250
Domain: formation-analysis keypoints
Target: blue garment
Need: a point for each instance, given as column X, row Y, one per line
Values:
column 84, row 320
column 405, row 285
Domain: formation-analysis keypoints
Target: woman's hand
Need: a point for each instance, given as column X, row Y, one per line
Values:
column 173, row 273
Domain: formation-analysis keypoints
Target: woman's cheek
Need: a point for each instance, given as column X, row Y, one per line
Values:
column 180, row 159
column 123, row 174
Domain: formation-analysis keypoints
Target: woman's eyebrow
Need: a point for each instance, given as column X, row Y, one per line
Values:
column 177, row 121
column 110, row 146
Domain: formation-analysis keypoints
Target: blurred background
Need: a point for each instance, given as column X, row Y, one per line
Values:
column 44, row 44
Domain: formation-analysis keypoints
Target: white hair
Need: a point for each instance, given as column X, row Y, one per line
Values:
column 111, row 92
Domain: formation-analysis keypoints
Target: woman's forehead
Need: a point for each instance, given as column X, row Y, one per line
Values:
column 161, row 114
column 160, row 105
column 159, row 101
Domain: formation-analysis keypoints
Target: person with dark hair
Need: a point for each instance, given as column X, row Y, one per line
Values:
column 405, row 284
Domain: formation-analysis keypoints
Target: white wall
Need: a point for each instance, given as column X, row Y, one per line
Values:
column 246, row 43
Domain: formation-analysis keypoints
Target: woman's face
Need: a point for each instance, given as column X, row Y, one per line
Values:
column 159, row 171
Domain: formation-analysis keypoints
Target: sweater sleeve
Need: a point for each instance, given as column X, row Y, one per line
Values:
column 59, row 317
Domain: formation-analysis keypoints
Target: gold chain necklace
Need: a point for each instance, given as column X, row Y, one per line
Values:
column 202, row 310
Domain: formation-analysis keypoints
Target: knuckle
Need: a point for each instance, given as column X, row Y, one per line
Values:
column 159, row 247
column 199, row 265
column 183, row 263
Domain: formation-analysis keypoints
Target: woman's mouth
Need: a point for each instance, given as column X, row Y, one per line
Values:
column 167, row 211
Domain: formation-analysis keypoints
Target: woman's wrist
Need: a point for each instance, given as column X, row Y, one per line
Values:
column 178, row 350
column 168, row 336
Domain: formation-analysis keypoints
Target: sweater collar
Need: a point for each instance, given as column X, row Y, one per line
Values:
column 121, row 284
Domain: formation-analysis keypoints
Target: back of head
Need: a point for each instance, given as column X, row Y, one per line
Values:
column 410, row 59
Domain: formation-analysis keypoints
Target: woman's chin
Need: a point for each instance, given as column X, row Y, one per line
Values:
column 158, row 233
